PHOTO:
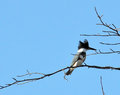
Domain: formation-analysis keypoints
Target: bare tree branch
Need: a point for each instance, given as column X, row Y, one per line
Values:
column 98, row 35
column 28, row 73
column 109, row 32
column 101, row 52
column 105, row 24
column 112, row 52
column 109, row 43
column 102, row 85
column 114, row 32
column 50, row 74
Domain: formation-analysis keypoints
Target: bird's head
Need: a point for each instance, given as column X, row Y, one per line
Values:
column 85, row 45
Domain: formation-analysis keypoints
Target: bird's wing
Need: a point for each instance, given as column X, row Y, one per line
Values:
column 78, row 57
column 75, row 59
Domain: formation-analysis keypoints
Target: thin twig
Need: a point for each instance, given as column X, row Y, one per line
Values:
column 109, row 32
column 100, row 52
column 102, row 85
column 98, row 35
column 109, row 43
column 30, row 74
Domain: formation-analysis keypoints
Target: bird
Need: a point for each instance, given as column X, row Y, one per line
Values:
column 80, row 57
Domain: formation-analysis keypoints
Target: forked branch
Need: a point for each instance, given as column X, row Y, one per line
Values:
column 114, row 31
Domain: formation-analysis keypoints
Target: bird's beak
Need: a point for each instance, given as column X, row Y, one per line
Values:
column 91, row 48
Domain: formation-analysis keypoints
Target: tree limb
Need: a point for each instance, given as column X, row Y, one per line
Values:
column 23, row 81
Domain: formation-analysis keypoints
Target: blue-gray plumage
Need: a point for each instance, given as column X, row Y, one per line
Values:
column 80, row 57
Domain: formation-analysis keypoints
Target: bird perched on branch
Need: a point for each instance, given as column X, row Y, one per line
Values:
column 80, row 57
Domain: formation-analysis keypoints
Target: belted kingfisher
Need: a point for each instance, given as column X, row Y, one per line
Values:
column 80, row 57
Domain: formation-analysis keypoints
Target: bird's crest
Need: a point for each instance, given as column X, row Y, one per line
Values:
column 83, row 44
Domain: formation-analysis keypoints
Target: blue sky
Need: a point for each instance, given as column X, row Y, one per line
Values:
column 40, row 35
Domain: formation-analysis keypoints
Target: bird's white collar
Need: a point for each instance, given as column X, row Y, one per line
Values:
column 82, row 50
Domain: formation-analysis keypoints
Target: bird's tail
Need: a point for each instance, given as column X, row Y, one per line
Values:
column 69, row 71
